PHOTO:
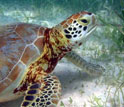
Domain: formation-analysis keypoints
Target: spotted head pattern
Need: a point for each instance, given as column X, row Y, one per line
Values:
column 77, row 27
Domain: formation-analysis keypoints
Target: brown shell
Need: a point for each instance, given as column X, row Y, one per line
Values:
column 20, row 44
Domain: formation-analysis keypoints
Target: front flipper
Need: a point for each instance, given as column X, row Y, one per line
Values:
column 90, row 68
column 45, row 94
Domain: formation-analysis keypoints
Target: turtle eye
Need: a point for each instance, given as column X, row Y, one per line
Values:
column 84, row 21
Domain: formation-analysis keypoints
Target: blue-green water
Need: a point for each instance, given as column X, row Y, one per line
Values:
column 105, row 47
column 53, row 10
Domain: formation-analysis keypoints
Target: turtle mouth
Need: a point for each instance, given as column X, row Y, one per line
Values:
column 91, row 30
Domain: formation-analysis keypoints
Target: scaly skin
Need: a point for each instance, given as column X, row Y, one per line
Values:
column 90, row 68
column 45, row 64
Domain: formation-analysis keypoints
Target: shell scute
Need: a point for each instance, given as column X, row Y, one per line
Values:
column 41, row 31
column 29, row 55
column 27, row 32
column 39, row 43
column 19, row 42
column 2, row 86
column 10, row 52
column 15, row 71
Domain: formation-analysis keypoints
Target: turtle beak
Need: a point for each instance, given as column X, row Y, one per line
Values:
column 93, row 27
column 93, row 20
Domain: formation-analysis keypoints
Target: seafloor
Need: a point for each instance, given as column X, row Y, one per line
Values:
column 104, row 47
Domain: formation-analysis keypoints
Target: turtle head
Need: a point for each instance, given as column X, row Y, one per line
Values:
column 77, row 27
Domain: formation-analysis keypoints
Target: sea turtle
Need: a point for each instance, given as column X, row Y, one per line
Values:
column 29, row 54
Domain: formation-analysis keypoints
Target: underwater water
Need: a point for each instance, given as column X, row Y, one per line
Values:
column 104, row 47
